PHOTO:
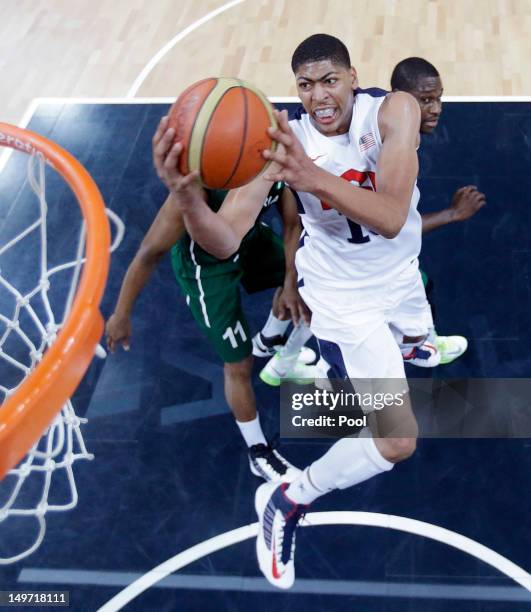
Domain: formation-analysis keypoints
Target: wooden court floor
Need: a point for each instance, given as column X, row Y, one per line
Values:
column 117, row 48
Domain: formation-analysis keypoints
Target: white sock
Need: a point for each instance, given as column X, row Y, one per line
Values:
column 274, row 326
column 302, row 490
column 252, row 432
column 432, row 336
column 347, row 463
column 296, row 340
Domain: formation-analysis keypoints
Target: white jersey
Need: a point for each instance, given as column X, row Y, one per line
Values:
column 337, row 252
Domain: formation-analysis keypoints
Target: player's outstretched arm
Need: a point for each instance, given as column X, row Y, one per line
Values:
column 465, row 203
column 217, row 233
column 167, row 228
column 239, row 211
column 384, row 211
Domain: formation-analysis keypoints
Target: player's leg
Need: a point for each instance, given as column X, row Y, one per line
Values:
column 212, row 293
column 240, row 397
column 393, row 430
column 272, row 336
column 264, row 460
column 231, row 340
column 263, row 266
column 449, row 347
column 297, row 338
column 411, row 319
column 292, row 360
column 349, row 461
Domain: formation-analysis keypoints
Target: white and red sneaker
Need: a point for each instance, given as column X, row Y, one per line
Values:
column 278, row 519
column 424, row 356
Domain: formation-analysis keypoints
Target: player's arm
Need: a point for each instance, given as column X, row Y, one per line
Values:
column 165, row 231
column 465, row 203
column 217, row 233
column 384, row 211
column 237, row 215
column 289, row 302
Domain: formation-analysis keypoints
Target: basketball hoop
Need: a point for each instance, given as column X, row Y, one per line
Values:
column 37, row 420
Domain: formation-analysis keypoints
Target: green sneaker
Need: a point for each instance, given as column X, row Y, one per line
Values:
column 281, row 369
column 450, row 347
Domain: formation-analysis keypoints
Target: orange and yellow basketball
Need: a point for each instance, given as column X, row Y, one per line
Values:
column 222, row 124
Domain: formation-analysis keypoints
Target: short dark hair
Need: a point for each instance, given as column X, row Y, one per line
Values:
column 407, row 73
column 319, row 47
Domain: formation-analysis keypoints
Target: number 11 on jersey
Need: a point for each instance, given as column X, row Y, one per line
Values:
column 230, row 334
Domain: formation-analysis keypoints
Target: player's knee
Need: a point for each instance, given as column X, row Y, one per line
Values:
column 239, row 369
column 399, row 449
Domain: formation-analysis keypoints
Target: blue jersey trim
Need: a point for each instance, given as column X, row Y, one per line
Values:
column 300, row 207
column 297, row 113
column 374, row 92
column 331, row 353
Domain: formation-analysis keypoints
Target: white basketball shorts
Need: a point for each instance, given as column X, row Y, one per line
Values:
column 359, row 330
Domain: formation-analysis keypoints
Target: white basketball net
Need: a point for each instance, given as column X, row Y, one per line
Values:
column 25, row 490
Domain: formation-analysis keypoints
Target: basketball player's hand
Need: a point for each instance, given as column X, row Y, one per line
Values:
column 165, row 158
column 466, row 202
column 118, row 331
column 291, row 305
column 290, row 162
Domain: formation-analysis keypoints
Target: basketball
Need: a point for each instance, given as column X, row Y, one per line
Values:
column 222, row 124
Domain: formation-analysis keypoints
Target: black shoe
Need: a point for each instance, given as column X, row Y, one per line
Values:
column 267, row 346
column 270, row 465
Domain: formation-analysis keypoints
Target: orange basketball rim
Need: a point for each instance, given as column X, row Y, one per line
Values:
column 28, row 411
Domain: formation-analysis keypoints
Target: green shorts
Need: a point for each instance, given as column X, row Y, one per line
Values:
column 211, row 286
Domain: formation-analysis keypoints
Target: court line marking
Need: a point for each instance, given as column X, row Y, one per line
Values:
column 171, row 43
column 254, row 584
column 368, row 519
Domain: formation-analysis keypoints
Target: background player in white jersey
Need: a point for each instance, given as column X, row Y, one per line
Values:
column 358, row 268
column 421, row 79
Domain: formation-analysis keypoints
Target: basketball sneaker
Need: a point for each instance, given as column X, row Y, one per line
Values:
column 424, row 356
column 267, row 463
column 281, row 369
column 265, row 346
column 450, row 347
column 278, row 519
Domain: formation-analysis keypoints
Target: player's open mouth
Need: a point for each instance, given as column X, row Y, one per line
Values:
column 325, row 115
column 431, row 122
